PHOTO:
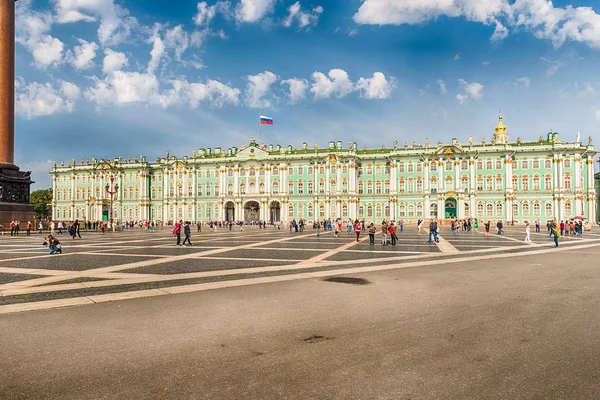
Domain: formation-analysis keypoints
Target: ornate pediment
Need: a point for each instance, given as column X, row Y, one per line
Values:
column 449, row 149
column 252, row 152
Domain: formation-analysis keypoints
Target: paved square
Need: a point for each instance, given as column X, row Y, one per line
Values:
column 137, row 262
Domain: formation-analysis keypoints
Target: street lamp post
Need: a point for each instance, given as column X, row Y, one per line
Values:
column 111, row 191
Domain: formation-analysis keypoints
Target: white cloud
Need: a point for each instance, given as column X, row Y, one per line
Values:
column 485, row 63
column 442, row 86
column 206, row 13
column 113, row 61
column 553, row 66
column 337, row 83
column 302, row 18
column 525, row 81
column 32, row 30
column 36, row 99
column 456, row 57
column 115, row 22
column 177, row 39
column 377, row 87
column 158, row 50
column 253, row 10
column 259, row 86
column 297, row 89
column 472, row 91
column 541, row 17
column 70, row 90
column 120, row 88
column 598, row 114
column 84, row 55
column 588, row 89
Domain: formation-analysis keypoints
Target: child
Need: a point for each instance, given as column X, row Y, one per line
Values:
column 527, row 232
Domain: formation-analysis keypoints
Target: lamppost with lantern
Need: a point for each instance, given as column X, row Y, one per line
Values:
column 111, row 191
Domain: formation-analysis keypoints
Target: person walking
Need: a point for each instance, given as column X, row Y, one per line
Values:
column 562, row 228
column 60, row 227
column 499, row 226
column 476, row 225
column 357, row 229
column 372, row 230
column 75, row 229
column 419, row 226
column 392, row 232
column 29, row 225
column 40, row 227
column 318, row 228
column 527, row 232
column 554, row 231
column 187, row 232
column 487, row 228
column 401, row 224
column 537, row 225
column 433, row 227
column 177, row 232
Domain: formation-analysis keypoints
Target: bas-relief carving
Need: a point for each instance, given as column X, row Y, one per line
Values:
column 14, row 193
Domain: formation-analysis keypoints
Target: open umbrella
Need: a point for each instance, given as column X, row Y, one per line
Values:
column 580, row 217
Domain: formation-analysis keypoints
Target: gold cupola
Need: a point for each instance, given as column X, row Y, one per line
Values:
column 501, row 136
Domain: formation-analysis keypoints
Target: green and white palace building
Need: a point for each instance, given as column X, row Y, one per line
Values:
column 496, row 180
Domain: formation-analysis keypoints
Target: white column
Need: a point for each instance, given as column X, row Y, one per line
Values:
column 267, row 180
column 426, row 165
column 352, row 178
column 441, row 184
column 456, row 174
column 53, row 198
column 441, row 208
column 327, row 190
column 427, row 210
column 338, row 179
column 472, row 174
column 393, row 178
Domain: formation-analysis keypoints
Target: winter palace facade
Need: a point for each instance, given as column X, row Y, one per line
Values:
column 496, row 180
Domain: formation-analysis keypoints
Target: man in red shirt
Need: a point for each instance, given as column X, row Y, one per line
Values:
column 392, row 232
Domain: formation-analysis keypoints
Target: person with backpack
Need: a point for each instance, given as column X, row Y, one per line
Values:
column 357, row 229
column 499, row 226
column 487, row 228
column 177, row 233
column 433, row 227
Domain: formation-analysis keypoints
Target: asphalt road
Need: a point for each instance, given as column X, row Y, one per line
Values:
column 512, row 328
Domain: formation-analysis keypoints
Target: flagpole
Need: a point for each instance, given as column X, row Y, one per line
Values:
column 259, row 131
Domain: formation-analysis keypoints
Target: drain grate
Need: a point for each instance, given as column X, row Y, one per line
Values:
column 348, row 280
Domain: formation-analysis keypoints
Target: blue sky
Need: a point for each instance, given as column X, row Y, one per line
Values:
column 106, row 78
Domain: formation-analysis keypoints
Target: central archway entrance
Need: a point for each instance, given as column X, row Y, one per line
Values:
column 251, row 211
column 274, row 211
column 450, row 207
column 229, row 211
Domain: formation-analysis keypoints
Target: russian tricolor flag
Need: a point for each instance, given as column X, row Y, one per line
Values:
column 266, row 120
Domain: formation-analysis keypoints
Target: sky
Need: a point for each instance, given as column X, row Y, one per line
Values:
column 109, row 78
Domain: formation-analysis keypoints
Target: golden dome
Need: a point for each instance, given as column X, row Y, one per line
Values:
column 500, row 128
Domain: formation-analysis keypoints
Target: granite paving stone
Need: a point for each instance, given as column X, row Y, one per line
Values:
column 9, row 278
column 202, row 265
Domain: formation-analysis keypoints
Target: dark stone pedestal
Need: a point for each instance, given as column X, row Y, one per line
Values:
column 14, row 196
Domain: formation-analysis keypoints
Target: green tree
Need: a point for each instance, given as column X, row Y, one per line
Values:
column 41, row 201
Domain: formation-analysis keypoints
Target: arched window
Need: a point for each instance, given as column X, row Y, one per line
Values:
column 548, row 209
column 567, row 163
column 369, row 187
column 361, row 187
column 290, row 211
column 536, row 209
column 401, row 185
column 498, row 164
column 448, row 165
column 499, row 182
column 479, row 165
column 230, row 188
column 433, row 210
column 300, row 187
column 290, row 187
column 344, row 211
column 378, row 170
column 369, row 170
column 378, row 187
column 300, row 210
column 361, row 211
column 419, row 167
column 321, row 187
column 515, row 210
column 488, row 164
column 490, row 209
column 419, row 185
column 230, row 172
column 464, row 165
column 300, row 170
column 420, row 210
column 524, row 164
column 310, row 187
column 243, row 188
column 499, row 210
column 467, row 210
column 515, row 165
column 548, row 164
column 568, row 209
column 433, row 166
column 242, row 172
column 345, row 169
column 275, row 171
column 525, row 183
column 410, row 168
column 378, row 211
column 387, row 211
column 401, row 168
column 567, row 182
column 261, row 188
column 488, row 183
column 548, row 182
column 402, row 210
column 275, row 187
column 309, row 210
column 411, row 211
column 536, row 164
column 252, row 171
column 370, row 211
column 536, row 182
column 526, row 209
